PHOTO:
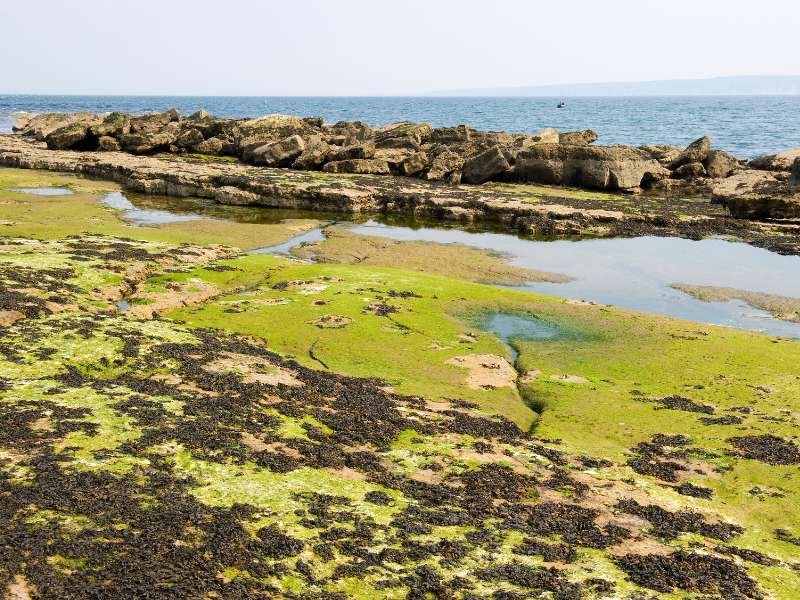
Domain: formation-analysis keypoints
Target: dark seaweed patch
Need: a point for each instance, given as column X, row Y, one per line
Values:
column 767, row 448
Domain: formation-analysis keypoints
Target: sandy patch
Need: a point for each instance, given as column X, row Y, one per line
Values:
column 181, row 294
column 9, row 317
column 332, row 321
column 19, row 589
column 253, row 370
column 486, row 371
column 569, row 378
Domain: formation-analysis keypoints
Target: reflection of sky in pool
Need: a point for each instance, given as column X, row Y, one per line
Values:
column 509, row 326
column 637, row 273
column 44, row 191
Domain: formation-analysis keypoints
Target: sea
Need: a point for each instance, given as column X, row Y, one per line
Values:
column 746, row 126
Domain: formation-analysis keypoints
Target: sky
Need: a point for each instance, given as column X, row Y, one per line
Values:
column 379, row 47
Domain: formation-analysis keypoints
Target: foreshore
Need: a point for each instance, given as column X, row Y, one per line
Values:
column 534, row 209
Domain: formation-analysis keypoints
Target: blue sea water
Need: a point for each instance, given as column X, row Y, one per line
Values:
column 748, row 126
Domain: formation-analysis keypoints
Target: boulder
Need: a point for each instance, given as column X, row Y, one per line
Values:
column 697, row 152
column 116, row 125
column 578, row 138
column 782, row 161
column 601, row 167
column 75, row 136
column 364, row 166
column 145, row 142
column 106, row 143
column 402, row 135
column 154, row 122
column 663, row 153
column 355, row 151
column 720, row 164
column 485, row 166
column 188, row 138
column 794, row 178
column 313, row 157
column 279, row 154
column 414, row 164
column 460, row 134
column 352, row 130
column 212, row 146
column 444, row 164
column 40, row 126
column 314, row 122
column 547, row 136
column 690, row 170
column 200, row 115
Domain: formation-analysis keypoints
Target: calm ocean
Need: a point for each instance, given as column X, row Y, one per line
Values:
column 745, row 125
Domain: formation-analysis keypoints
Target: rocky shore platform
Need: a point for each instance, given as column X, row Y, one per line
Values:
column 550, row 183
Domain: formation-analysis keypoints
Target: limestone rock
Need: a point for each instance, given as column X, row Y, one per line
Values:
column 414, row 164
column 155, row 122
column 485, row 166
column 443, row 164
column 313, row 157
column 663, row 153
column 794, row 179
column 720, row 164
column 601, row 167
column 145, row 141
column 352, row 130
column 75, row 136
column 782, row 161
column 40, row 126
column 402, row 135
column 690, row 170
column 353, row 152
column 578, row 138
column 199, row 115
column 116, row 125
column 106, row 143
column 548, row 136
column 460, row 134
column 188, row 138
column 697, row 151
column 364, row 166
column 212, row 146
column 279, row 154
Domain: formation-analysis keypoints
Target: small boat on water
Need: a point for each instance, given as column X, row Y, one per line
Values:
column 562, row 104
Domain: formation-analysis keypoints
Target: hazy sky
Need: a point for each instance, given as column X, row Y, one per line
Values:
column 356, row 47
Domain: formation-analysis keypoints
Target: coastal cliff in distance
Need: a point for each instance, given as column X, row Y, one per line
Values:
column 754, row 85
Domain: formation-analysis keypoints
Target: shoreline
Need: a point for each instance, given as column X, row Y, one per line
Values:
column 531, row 209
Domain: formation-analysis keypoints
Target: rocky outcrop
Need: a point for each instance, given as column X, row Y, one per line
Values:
column 578, row 138
column 696, row 152
column 448, row 154
column 612, row 168
column 546, row 212
column 782, row 161
column 794, row 177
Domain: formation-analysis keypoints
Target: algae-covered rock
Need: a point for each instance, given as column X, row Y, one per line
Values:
column 696, row 152
column 364, row 166
column 780, row 161
column 485, row 166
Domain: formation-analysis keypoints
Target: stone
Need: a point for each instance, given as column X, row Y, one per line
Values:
column 315, row 122
column 40, row 126
column 279, row 154
column 720, row 164
column 414, row 164
column 485, row 166
column 690, row 170
column 188, row 138
column 313, row 157
column 794, row 178
column 782, row 161
column 444, row 164
column 154, row 122
column 578, row 138
column 663, row 153
column 355, row 151
column 145, row 142
column 364, row 166
column 601, row 167
column 106, row 143
column 402, row 136
column 75, row 136
column 116, row 125
column 548, row 136
column 697, row 152
column 199, row 115
column 460, row 134
column 355, row 130
column 212, row 147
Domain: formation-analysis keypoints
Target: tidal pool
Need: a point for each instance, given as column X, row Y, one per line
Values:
column 635, row 273
column 511, row 326
column 44, row 191
column 638, row 273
